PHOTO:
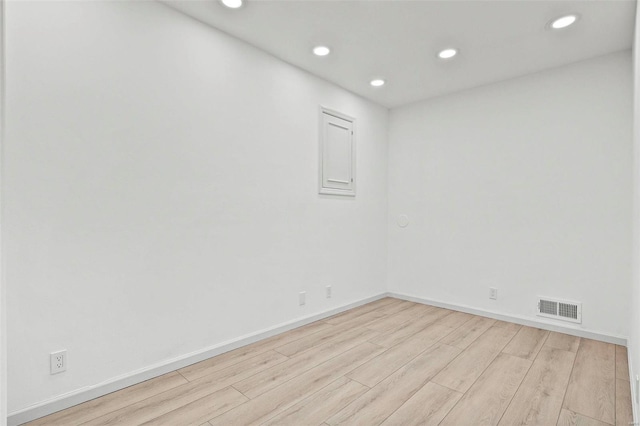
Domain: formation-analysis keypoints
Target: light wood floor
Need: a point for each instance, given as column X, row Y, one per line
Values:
column 389, row 362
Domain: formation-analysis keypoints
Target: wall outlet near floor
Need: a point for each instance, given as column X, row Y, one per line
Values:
column 328, row 292
column 493, row 293
column 637, row 388
column 58, row 362
column 302, row 298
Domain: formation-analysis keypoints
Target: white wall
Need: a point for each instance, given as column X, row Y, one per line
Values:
column 3, row 299
column 634, row 333
column 161, row 192
column 522, row 185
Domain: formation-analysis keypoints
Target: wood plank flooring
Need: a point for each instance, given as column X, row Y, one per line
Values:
column 389, row 362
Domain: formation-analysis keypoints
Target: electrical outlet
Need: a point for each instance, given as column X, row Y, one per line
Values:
column 302, row 298
column 493, row 293
column 328, row 292
column 637, row 388
column 58, row 362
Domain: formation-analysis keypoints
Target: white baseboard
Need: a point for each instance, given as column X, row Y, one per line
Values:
column 531, row 322
column 94, row 391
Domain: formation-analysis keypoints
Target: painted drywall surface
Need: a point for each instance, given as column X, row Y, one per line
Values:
column 3, row 299
column 634, row 333
column 524, row 186
column 161, row 192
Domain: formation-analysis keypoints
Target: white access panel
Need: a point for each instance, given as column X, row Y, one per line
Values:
column 337, row 153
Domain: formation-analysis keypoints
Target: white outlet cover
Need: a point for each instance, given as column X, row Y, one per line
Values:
column 302, row 298
column 493, row 293
column 403, row 221
column 58, row 362
column 328, row 292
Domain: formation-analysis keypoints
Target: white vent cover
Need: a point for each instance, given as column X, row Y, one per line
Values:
column 560, row 309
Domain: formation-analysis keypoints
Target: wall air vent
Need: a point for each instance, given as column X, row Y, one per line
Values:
column 560, row 309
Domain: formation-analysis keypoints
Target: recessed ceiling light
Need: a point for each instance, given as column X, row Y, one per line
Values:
column 377, row 82
column 563, row 22
column 321, row 50
column 447, row 53
column 233, row 4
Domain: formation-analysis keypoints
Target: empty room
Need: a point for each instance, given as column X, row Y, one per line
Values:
column 319, row 212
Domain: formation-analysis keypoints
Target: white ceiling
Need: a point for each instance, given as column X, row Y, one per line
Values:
column 398, row 39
